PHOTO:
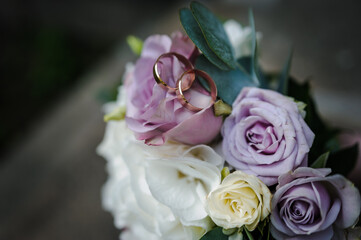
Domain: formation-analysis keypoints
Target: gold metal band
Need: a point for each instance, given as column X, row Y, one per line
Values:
column 180, row 90
column 187, row 64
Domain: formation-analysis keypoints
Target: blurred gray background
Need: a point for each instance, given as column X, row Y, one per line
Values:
column 60, row 60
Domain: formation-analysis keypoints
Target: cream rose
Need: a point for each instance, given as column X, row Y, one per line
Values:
column 240, row 200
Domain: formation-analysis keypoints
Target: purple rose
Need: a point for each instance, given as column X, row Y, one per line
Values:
column 265, row 135
column 156, row 115
column 309, row 205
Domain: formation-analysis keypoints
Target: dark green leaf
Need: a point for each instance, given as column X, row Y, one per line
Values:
column 283, row 80
column 245, row 64
column 249, row 234
column 321, row 161
column 254, row 70
column 192, row 29
column 323, row 134
column 215, row 234
column 213, row 33
column 269, row 236
column 261, row 226
column 343, row 160
column 229, row 83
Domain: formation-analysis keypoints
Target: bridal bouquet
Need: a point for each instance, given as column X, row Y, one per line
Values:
column 203, row 144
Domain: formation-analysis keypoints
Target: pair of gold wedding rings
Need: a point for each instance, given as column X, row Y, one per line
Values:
column 185, row 81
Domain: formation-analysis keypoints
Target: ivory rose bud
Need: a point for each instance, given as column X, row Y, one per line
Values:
column 265, row 135
column 156, row 115
column 310, row 205
column 240, row 200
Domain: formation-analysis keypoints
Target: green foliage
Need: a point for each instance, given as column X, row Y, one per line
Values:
column 214, row 33
column 262, row 232
column 321, row 161
column 135, row 44
column 324, row 135
column 116, row 115
column 225, row 172
column 192, row 29
column 283, row 79
column 208, row 34
column 229, row 83
column 249, row 235
column 215, row 234
column 339, row 160
column 254, row 58
column 230, row 231
column 222, row 109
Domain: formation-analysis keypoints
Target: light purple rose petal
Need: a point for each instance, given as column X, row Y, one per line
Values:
column 350, row 197
column 154, row 114
column 265, row 135
column 308, row 204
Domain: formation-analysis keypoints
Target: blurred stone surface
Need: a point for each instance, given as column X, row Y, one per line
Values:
column 50, row 181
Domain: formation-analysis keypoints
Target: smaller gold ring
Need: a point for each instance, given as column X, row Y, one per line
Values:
column 188, row 66
column 181, row 97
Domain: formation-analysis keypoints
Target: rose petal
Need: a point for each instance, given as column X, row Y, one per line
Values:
column 350, row 197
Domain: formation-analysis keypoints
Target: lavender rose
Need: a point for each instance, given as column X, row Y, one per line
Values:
column 265, row 135
column 309, row 205
column 156, row 115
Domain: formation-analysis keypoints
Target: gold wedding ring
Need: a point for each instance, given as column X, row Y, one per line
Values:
column 187, row 64
column 180, row 89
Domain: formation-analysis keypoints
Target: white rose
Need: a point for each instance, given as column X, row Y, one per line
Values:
column 181, row 177
column 127, row 196
column 240, row 200
column 240, row 38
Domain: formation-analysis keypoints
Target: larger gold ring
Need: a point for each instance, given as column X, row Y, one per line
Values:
column 180, row 90
column 187, row 64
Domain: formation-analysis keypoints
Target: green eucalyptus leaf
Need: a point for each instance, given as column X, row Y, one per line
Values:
column 343, row 160
column 194, row 32
column 215, row 234
column 321, row 161
column 283, row 79
column 229, row 83
column 214, row 33
column 245, row 64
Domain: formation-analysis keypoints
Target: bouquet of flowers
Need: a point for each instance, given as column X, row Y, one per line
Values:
column 203, row 144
